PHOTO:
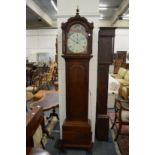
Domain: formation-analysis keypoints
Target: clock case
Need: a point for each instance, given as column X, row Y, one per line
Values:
column 76, row 129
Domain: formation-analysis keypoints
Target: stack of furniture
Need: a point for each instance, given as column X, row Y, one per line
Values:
column 121, row 102
column 119, row 60
column 123, row 78
column 41, row 78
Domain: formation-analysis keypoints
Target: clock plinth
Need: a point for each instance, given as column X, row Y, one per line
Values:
column 77, row 134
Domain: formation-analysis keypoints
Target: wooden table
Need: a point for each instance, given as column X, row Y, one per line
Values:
column 48, row 101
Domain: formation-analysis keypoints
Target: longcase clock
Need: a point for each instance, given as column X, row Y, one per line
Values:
column 77, row 51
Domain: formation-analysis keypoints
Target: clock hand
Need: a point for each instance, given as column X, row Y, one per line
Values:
column 74, row 41
column 77, row 37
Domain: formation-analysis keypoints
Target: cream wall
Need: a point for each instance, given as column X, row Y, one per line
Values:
column 121, row 40
column 40, row 41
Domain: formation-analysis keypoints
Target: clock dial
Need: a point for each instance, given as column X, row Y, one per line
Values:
column 77, row 43
column 77, row 39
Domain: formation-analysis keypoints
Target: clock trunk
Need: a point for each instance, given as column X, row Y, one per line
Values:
column 76, row 128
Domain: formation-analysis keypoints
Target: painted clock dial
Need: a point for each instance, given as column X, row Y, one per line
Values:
column 77, row 39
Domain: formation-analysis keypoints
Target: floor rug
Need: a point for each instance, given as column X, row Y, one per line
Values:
column 123, row 140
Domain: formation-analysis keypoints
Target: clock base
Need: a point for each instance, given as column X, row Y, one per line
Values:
column 77, row 134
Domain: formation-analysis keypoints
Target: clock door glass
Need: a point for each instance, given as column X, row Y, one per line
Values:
column 77, row 39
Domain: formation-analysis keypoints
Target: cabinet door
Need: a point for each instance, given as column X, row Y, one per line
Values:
column 77, row 72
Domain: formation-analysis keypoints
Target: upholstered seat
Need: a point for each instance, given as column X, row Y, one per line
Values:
column 125, row 80
column 121, row 73
column 125, row 116
column 125, row 92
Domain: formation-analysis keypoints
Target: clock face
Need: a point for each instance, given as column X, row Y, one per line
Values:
column 77, row 43
column 77, row 39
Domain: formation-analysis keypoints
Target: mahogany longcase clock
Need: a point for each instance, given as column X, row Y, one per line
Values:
column 77, row 51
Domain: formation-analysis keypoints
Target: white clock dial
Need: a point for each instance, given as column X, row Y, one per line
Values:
column 77, row 43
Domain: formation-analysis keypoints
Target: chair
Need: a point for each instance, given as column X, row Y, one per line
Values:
column 35, row 85
column 55, row 77
column 46, row 78
column 121, row 116
column 123, row 78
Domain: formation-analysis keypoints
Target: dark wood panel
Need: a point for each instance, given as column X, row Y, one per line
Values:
column 102, row 87
column 105, row 56
column 106, row 45
column 77, row 133
column 77, row 89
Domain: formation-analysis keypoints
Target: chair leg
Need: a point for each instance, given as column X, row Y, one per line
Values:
column 47, row 133
column 42, row 145
column 53, row 114
column 119, row 130
column 114, row 122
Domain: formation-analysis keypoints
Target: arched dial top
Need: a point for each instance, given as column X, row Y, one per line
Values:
column 77, row 39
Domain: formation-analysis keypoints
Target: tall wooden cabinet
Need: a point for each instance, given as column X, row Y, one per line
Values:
column 105, row 58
